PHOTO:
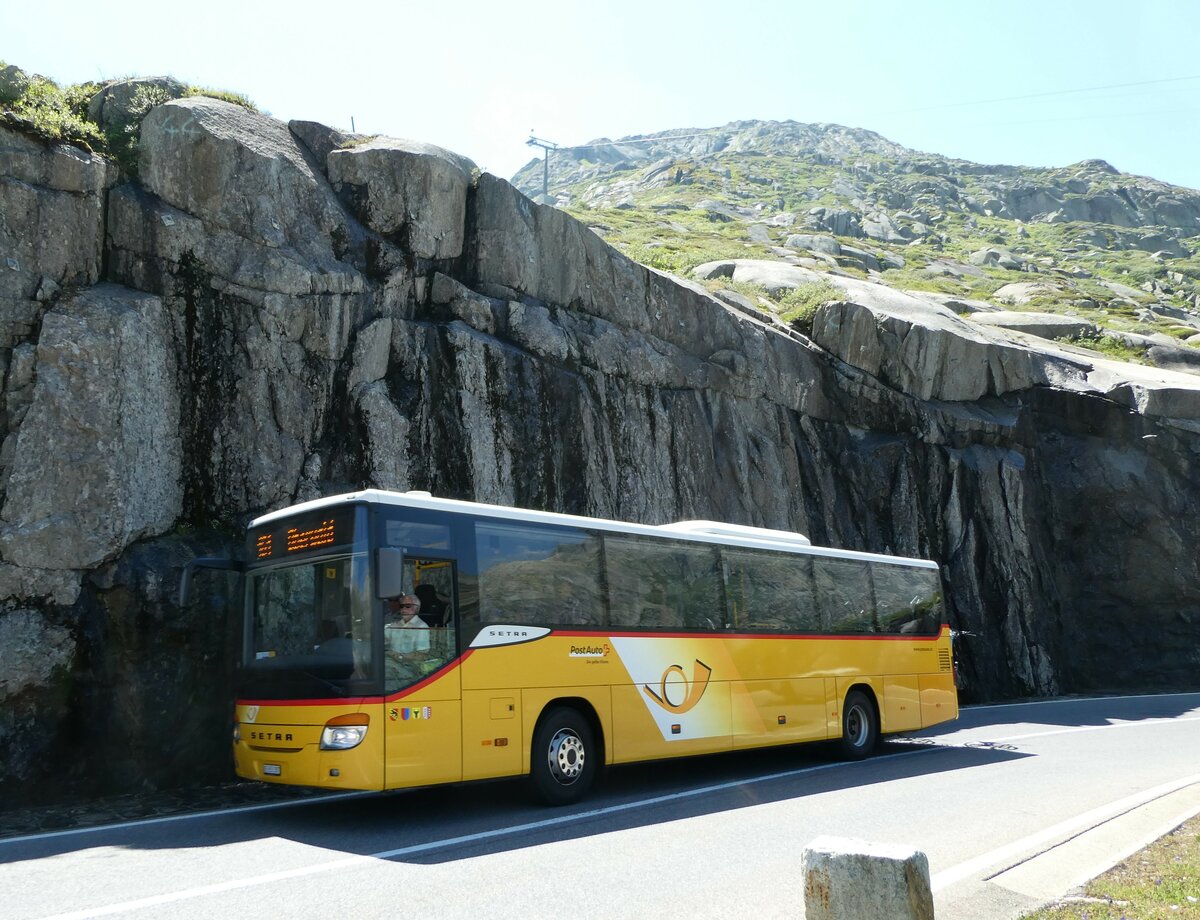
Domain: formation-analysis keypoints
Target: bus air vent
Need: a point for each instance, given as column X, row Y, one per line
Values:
column 719, row 529
column 944, row 659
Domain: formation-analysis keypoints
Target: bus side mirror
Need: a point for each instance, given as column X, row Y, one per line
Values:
column 390, row 568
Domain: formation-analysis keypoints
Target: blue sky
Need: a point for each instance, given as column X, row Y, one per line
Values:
column 1032, row 83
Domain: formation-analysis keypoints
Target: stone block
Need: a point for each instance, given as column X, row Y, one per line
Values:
column 214, row 160
column 846, row 878
column 1043, row 325
column 34, row 649
column 97, row 460
column 407, row 190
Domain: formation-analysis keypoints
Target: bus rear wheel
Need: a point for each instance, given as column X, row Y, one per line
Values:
column 563, row 757
column 860, row 726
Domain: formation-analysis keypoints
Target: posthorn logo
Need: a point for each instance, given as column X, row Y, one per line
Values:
column 675, row 692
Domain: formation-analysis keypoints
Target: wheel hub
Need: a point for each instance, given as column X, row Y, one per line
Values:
column 566, row 756
column 856, row 725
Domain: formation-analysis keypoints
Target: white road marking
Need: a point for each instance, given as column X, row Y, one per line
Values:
column 166, row 819
column 938, row 741
column 1078, row 699
column 1092, row 728
column 233, row 884
column 347, row 795
column 1085, row 821
column 941, row 880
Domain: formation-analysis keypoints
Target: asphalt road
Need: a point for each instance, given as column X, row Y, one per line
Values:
column 1012, row 804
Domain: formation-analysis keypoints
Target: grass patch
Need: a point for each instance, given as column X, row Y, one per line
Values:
column 681, row 259
column 1162, row 880
column 224, row 95
column 799, row 305
column 1112, row 348
column 752, row 291
column 673, row 241
column 906, row 279
column 121, row 136
column 58, row 113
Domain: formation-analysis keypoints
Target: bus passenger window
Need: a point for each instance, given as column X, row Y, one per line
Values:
column 844, row 594
column 655, row 584
column 908, row 599
column 535, row 575
column 769, row 590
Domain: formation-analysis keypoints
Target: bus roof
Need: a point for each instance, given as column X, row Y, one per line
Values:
column 696, row 531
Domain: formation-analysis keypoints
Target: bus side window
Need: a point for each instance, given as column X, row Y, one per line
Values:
column 537, row 575
column 908, row 599
column 655, row 584
column 769, row 590
column 844, row 594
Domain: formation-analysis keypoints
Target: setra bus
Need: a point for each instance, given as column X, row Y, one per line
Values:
column 552, row 644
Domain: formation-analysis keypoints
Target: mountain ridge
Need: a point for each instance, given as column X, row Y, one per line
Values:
column 1117, row 250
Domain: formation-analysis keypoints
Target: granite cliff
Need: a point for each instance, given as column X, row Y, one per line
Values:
column 269, row 312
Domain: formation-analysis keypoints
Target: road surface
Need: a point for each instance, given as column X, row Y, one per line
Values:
column 1012, row 804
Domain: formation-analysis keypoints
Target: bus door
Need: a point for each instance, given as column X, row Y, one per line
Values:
column 422, row 708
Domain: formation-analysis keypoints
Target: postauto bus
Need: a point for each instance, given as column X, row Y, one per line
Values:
column 549, row 645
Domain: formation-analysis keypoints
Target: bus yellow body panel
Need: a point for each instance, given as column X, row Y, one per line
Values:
column 780, row 712
column 652, row 697
column 492, row 733
column 280, row 743
column 901, row 704
column 424, row 733
column 939, row 699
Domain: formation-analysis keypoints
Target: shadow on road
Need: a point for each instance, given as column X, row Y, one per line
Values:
column 447, row 823
column 1073, row 712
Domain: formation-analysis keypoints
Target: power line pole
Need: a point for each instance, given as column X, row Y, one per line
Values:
column 546, row 146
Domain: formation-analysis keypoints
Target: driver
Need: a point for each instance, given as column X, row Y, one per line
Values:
column 405, row 633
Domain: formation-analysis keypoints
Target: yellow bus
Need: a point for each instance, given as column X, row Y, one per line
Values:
column 549, row 645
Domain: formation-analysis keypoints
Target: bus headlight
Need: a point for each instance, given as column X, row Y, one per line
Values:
column 344, row 732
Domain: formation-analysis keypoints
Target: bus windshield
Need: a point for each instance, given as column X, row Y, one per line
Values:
column 309, row 626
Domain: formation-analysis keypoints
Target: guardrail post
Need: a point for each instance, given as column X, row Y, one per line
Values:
column 846, row 879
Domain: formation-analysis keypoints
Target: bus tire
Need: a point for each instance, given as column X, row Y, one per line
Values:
column 860, row 726
column 563, row 757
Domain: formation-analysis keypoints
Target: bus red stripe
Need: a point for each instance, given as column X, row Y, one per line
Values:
column 709, row 634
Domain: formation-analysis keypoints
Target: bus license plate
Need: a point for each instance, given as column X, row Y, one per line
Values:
column 272, row 769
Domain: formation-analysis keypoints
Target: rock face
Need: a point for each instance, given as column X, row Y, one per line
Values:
column 268, row 315
column 96, row 462
column 52, row 234
column 1046, row 325
column 423, row 207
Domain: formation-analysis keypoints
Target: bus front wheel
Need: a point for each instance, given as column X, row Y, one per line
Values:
column 563, row 757
column 860, row 726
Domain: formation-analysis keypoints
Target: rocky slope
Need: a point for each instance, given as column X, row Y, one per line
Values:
column 1116, row 251
column 269, row 313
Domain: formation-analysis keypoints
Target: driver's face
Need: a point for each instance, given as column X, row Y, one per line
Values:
column 404, row 607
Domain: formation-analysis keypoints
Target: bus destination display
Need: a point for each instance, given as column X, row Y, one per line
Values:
column 304, row 536
column 299, row 540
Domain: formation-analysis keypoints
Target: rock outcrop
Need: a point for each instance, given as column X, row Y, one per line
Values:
column 267, row 315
